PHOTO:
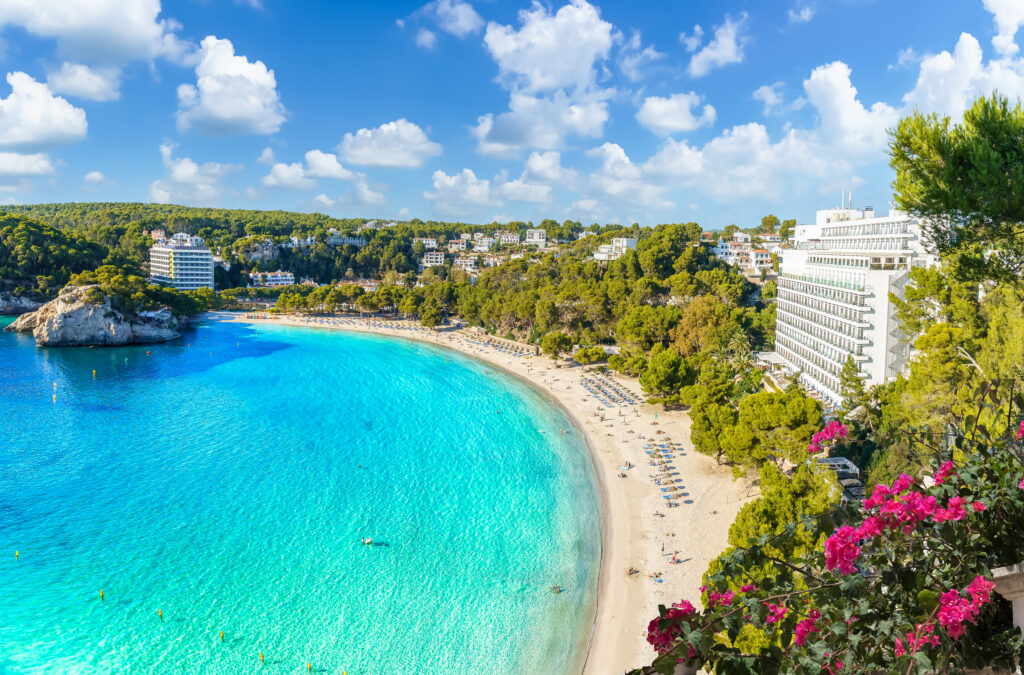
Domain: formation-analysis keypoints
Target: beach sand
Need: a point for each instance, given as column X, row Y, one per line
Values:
column 633, row 537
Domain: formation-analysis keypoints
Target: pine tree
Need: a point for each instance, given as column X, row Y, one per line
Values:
column 851, row 385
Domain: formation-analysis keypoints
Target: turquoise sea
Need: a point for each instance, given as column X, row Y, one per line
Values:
column 226, row 480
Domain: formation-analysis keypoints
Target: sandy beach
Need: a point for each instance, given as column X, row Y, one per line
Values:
column 670, row 551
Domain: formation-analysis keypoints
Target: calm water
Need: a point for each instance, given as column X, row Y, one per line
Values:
column 218, row 480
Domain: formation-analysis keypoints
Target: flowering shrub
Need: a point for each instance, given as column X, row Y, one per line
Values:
column 833, row 431
column 902, row 584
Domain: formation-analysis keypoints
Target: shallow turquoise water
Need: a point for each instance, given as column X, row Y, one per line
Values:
column 218, row 480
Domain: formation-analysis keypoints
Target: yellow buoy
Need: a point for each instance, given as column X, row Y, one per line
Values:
column 101, row 595
column 54, row 398
column 94, row 374
column 16, row 555
column 222, row 636
column 261, row 657
column 309, row 668
column 160, row 613
column 55, row 386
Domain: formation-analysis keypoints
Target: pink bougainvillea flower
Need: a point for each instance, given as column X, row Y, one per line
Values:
column 899, row 651
column 776, row 613
column 805, row 627
column 944, row 470
column 978, row 506
column 842, row 551
column 749, row 588
column 1020, row 431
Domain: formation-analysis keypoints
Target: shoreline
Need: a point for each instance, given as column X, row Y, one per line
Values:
column 632, row 537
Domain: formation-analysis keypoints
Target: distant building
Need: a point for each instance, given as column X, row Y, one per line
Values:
column 432, row 259
column 761, row 259
column 769, row 238
column 183, row 262
column 467, row 264
column 483, row 244
column 834, row 296
column 272, row 279
column 456, row 245
column 428, row 242
column 742, row 237
column 508, row 237
column 516, row 255
column 536, row 237
column 336, row 238
column 614, row 250
column 368, row 285
column 493, row 260
column 300, row 242
column 155, row 235
column 465, row 236
column 262, row 250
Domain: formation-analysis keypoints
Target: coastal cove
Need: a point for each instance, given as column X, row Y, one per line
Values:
column 226, row 480
column 632, row 536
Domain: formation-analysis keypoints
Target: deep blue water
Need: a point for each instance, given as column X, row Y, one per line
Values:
column 226, row 481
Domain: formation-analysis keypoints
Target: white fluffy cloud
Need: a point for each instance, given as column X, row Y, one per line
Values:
column 187, row 182
column 540, row 122
column 1009, row 15
column 844, row 119
column 457, row 17
column 460, row 194
column 397, row 144
column 266, row 157
column 231, row 95
column 326, row 165
column 948, row 83
column 426, row 39
column 288, row 177
column 802, row 14
column 692, row 41
column 98, row 31
column 32, row 118
column 770, row 95
column 96, row 178
column 625, row 182
column 550, row 51
column 363, row 195
column 725, row 47
column 553, row 90
column 94, row 84
column 15, row 164
column 547, row 167
column 319, row 164
column 634, row 58
column 674, row 114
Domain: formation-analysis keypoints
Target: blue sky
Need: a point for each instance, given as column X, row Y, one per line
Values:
column 654, row 111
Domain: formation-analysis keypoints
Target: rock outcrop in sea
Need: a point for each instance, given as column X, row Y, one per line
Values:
column 14, row 304
column 82, row 316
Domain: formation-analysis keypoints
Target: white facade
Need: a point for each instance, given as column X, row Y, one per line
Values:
column 428, row 242
column 456, row 245
column 468, row 264
column 614, row 250
column 466, row 236
column 536, row 237
column 432, row 259
column 508, row 237
column 270, row 279
column 183, row 262
column 336, row 238
column 483, row 244
column 742, row 237
column 833, row 296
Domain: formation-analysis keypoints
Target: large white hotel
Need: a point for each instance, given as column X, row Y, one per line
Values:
column 833, row 296
column 183, row 262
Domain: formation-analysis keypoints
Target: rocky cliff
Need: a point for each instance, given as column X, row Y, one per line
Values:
column 82, row 316
column 11, row 304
